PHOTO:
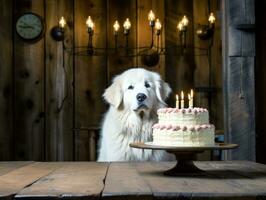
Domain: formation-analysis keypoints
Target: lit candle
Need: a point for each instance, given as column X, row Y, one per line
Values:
column 116, row 27
column 127, row 26
column 90, row 24
column 180, row 26
column 177, row 101
column 182, row 99
column 211, row 18
column 62, row 22
column 191, row 97
column 151, row 18
column 158, row 26
column 184, row 21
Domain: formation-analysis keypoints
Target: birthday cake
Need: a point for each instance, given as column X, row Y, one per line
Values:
column 183, row 127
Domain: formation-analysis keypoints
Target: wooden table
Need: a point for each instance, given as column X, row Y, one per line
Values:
column 136, row 180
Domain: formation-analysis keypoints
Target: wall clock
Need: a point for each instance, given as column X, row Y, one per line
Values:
column 30, row 26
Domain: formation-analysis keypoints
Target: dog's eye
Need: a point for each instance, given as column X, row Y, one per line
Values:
column 130, row 87
column 147, row 85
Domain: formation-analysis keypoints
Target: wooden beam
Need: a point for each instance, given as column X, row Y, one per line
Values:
column 29, row 86
column 6, row 81
column 59, row 78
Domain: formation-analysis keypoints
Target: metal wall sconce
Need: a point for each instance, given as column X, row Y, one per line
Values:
column 182, row 28
column 58, row 32
column 150, row 55
column 204, row 31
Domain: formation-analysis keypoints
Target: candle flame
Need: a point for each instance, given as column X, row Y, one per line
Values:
column 176, row 96
column 62, row 22
column 116, row 26
column 211, row 18
column 151, row 16
column 158, row 25
column 180, row 26
column 90, row 23
column 127, row 24
column 184, row 21
column 182, row 95
column 191, row 93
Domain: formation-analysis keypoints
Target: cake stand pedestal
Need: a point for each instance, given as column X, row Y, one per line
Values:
column 184, row 156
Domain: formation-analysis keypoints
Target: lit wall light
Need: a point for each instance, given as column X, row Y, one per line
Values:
column 158, row 27
column 127, row 26
column 205, row 31
column 151, row 18
column 58, row 32
column 90, row 25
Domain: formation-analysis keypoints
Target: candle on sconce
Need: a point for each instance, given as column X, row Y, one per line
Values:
column 90, row 25
column 184, row 21
column 180, row 26
column 127, row 26
column 116, row 27
column 151, row 18
column 177, row 101
column 182, row 100
column 158, row 26
column 211, row 18
column 191, row 98
column 62, row 22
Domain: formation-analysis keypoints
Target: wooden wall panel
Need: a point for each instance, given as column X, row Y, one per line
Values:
column 144, row 35
column 90, row 71
column 59, row 90
column 207, row 72
column 6, row 81
column 179, row 67
column 119, row 61
column 239, row 80
column 29, row 90
column 240, row 106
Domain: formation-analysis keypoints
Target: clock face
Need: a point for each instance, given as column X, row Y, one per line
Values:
column 29, row 26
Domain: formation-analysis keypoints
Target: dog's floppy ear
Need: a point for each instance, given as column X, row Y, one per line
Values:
column 162, row 90
column 113, row 94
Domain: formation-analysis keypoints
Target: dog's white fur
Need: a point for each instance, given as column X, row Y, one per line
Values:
column 126, row 121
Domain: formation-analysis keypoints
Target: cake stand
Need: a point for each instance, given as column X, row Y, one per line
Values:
column 184, row 156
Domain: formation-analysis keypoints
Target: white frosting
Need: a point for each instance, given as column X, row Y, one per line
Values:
column 183, row 127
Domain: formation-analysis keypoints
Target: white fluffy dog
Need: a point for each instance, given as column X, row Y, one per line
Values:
column 134, row 98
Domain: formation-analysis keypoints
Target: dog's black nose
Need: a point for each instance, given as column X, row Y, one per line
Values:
column 141, row 97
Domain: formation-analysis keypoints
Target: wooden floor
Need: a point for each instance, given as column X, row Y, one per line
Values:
column 90, row 180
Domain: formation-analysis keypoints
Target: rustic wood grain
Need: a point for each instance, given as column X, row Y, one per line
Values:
column 219, row 182
column 59, row 78
column 144, row 36
column 6, row 81
column 86, row 141
column 241, row 115
column 72, row 180
column 90, row 71
column 29, row 90
column 124, row 182
column 238, row 81
column 132, row 180
column 6, row 167
column 14, row 181
column 179, row 70
column 118, row 62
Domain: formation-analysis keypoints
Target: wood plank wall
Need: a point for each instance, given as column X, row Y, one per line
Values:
column 46, row 92
column 239, row 77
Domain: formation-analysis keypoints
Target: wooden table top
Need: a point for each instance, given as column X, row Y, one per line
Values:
column 135, row 180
